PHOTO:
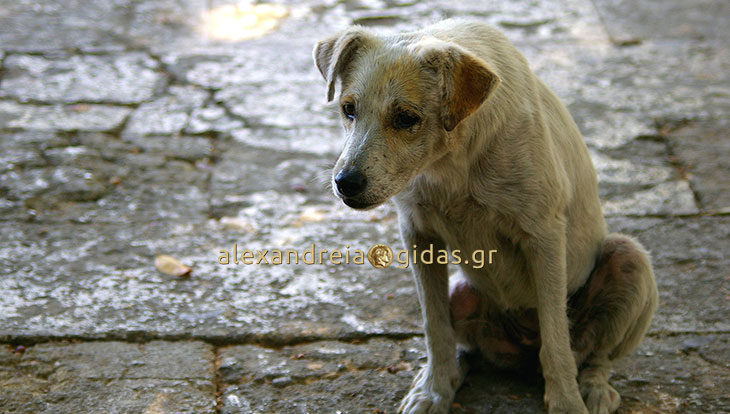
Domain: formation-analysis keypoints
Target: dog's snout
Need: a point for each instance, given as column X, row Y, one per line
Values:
column 350, row 182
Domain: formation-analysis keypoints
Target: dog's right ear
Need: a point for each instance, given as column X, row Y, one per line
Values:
column 333, row 55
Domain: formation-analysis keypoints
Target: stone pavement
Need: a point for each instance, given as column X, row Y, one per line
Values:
column 132, row 128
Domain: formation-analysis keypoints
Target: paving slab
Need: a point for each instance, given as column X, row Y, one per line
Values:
column 638, row 178
column 85, row 177
column 283, row 105
column 48, row 25
column 703, row 150
column 77, row 117
column 69, row 294
column 670, row 198
column 123, row 295
column 240, row 171
column 212, row 119
column 166, row 115
column 111, row 377
column 617, row 93
column 673, row 375
column 692, row 266
column 665, row 374
column 125, row 78
column 248, row 66
column 318, row 377
column 631, row 21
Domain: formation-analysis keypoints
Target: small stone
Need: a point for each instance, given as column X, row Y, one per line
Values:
column 281, row 381
column 696, row 343
column 238, row 223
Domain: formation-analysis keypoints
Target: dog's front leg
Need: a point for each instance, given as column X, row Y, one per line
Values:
column 434, row 387
column 546, row 254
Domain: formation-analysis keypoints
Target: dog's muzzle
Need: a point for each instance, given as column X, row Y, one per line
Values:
column 350, row 183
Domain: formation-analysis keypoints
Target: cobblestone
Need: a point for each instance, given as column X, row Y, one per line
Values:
column 102, row 376
column 118, row 78
column 79, row 117
column 166, row 115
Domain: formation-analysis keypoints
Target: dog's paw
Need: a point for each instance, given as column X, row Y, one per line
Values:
column 565, row 402
column 567, row 407
column 422, row 401
column 430, row 393
column 600, row 398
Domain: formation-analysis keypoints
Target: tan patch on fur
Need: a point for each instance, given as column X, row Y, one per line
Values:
column 401, row 83
column 472, row 83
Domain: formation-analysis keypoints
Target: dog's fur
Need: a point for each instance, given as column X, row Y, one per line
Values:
column 492, row 161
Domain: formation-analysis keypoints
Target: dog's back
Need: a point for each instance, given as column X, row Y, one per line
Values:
column 527, row 131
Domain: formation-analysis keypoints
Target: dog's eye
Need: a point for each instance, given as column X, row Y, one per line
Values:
column 349, row 110
column 404, row 120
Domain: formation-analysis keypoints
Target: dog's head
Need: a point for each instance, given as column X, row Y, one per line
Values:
column 401, row 99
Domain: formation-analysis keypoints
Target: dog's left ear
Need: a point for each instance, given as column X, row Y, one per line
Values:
column 334, row 55
column 466, row 80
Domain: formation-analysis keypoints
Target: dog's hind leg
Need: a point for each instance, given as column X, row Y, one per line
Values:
column 506, row 339
column 609, row 316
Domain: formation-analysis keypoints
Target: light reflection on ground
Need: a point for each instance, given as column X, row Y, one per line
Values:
column 237, row 22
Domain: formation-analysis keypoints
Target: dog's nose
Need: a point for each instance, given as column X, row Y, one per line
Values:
column 350, row 182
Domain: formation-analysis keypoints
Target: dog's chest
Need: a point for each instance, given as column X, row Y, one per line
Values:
column 488, row 245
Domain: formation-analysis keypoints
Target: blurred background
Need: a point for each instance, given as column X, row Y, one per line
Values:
column 131, row 129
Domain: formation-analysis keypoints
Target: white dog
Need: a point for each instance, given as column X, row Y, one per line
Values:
column 479, row 154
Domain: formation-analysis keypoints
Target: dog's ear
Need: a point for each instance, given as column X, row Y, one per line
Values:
column 333, row 55
column 466, row 80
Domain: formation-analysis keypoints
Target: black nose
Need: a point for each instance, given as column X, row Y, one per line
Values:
column 350, row 182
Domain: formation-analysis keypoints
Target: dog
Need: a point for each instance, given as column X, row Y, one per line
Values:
column 477, row 153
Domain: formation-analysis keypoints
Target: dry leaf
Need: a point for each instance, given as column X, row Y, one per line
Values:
column 400, row 366
column 171, row 266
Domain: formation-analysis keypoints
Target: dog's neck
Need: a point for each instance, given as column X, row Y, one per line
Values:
column 479, row 139
column 471, row 140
